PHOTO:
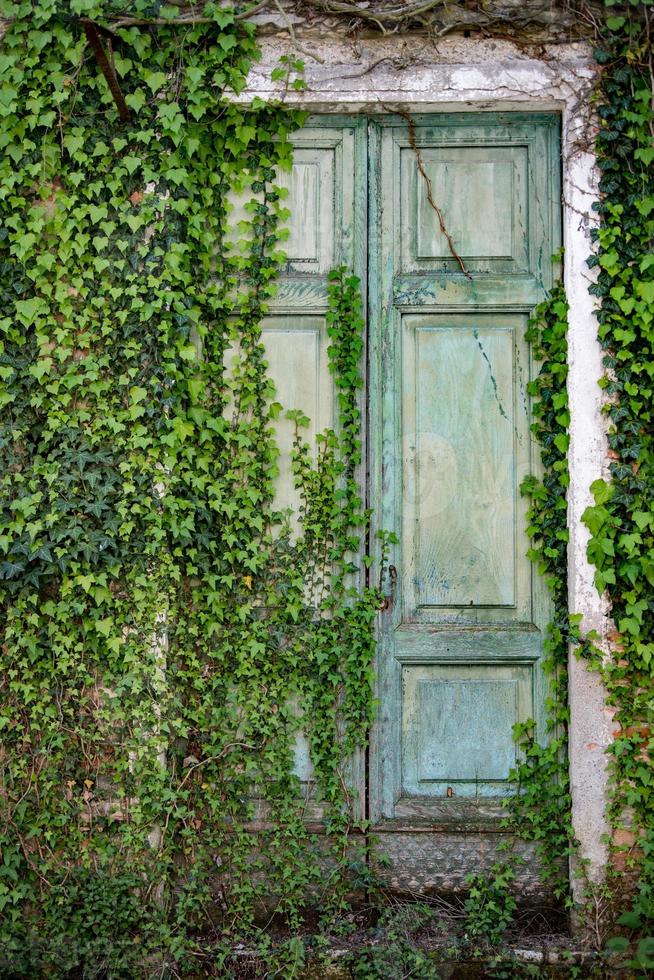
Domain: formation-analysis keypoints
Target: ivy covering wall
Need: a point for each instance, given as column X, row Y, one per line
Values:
column 165, row 633
column 166, row 630
column 622, row 521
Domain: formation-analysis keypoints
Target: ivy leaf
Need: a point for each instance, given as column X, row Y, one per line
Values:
column 183, row 429
column 131, row 163
column 104, row 626
column 227, row 42
column 601, row 491
column 136, row 100
column 155, row 80
column 41, row 368
column 73, row 143
column 188, row 352
column 137, row 394
column 30, row 310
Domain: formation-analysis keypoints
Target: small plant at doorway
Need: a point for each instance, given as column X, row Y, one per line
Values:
column 395, row 952
column 491, row 904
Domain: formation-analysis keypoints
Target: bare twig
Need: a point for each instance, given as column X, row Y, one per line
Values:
column 26, row 855
column 186, row 20
column 215, row 758
column 377, row 14
column 437, row 15
column 291, row 33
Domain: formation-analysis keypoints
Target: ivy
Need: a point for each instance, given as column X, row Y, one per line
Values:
column 168, row 633
column 621, row 544
column 620, row 522
column 540, row 810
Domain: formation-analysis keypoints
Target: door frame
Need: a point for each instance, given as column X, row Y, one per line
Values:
column 461, row 74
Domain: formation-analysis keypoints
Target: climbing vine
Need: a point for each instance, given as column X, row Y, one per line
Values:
column 170, row 635
column 540, row 808
column 167, row 631
column 621, row 536
column 620, row 521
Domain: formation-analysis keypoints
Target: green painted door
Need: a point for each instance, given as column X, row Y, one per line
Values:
column 460, row 645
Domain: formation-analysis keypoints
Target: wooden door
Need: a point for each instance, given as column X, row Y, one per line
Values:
column 460, row 646
column 461, row 643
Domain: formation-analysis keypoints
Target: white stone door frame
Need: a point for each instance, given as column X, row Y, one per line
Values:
column 459, row 74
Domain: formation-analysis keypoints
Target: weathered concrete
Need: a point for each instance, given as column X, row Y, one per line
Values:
column 376, row 75
column 590, row 719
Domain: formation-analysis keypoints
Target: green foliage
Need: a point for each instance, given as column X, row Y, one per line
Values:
column 167, row 631
column 395, row 953
column 502, row 968
column 620, row 522
column 621, row 544
column 490, row 905
column 643, row 958
column 540, row 809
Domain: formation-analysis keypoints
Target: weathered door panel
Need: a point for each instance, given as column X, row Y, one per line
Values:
column 465, row 449
column 327, row 199
column 460, row 647
column 296, row 352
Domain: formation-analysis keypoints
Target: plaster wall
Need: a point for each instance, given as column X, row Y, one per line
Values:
column 455, row 74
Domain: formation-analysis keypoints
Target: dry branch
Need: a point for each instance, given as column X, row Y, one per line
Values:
column 557, row 19
column 430, row 192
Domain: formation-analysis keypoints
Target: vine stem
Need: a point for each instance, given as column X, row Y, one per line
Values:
column 188, row 21
column 215, row 758
column 192, row 769
column 93, row 37
column 293, row 37
column 393, row 14
column 430, row 190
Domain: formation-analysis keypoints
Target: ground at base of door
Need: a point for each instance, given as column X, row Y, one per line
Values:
column 503, row 964
column 397, row 947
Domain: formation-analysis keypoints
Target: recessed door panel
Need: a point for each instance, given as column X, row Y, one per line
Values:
column 311, row 184
column 482, row 193
column 296, row 352
column 457, row 726
column 326, row 227
column 466, row 447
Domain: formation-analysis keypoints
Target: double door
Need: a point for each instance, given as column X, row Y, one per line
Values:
column 450, row 222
